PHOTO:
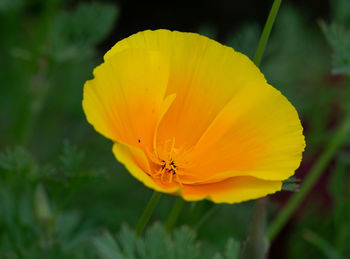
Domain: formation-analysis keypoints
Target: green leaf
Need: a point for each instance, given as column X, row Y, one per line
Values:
column 292, row 184
column 232, row 249
column 107, row 247
column 10, row 5
column 185, row 245
column 93, row 21
column 18, row 160
column 341, row 11
column 42, row 206
column 127, row 239
column 72, row 159
column 74, row 34
column 156, row 244
column 339, row 39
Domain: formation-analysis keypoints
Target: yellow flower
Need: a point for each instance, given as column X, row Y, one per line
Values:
column 191, row 117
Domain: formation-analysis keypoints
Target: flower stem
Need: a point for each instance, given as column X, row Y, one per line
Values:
column 206, row 216
column 174, row 214
column 256, row 245
column 312, row 177
column 147, row 213
column 266, row 32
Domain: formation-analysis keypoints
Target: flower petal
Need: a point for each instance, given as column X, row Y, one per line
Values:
column 136, row 162
column 258, row 133
column 204, row 75
column 124, row 100
column 232, row 190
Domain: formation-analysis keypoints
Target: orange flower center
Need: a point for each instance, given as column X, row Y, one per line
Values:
column 168, row 163
column 167, row 171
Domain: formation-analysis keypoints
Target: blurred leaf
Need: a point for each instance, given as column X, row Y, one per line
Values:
column 339, row 39
column 232, row 249
column 72, row 160
column 155, row 244
column 9, row 5
column 42, row 206
column 185, row 245
column 341, row 11
column 74, row 34
column 19, row 160
column 127, row 239
column 7, row 205
column 107, row 247
column 292, row 184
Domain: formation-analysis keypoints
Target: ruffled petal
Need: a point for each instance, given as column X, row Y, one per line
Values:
column 232, row 190
column 257, row 134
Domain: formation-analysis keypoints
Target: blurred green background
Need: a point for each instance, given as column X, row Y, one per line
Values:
column 63, row 194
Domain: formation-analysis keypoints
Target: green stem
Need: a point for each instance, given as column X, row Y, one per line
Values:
column 147, row 213
column 193, row 212
column 312, row 177
column 256, row 245
column 37, row 93
column 206, row 216
column 266, row 32
column 39, row 86
column 174, row 214
column 347, row 97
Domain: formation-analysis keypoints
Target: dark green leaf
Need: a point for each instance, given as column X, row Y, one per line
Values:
column 107, row 247
column 339, row 39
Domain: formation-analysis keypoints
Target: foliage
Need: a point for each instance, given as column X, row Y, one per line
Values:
column 31, row 226
column 158, row 244
column 339, row 39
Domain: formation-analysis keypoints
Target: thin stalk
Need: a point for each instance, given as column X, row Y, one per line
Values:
column 206, row 216
column 256, row 245
column 39, row 86
column 174, row 214
column 192, row 213
column 147, row 213
column 347, row 97
column 37, row 93
column 312, row 177
column 266, row 32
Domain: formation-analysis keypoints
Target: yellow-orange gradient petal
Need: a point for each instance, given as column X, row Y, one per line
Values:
column 258, row 133
column 204, row 75
column 124, row 100
column 232, row 190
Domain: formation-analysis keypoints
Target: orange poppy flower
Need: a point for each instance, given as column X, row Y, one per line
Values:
column 192, row 117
